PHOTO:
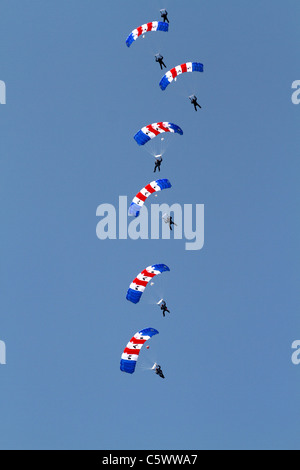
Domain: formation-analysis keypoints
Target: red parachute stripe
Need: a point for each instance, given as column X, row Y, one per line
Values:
column 174, row 73
column 146, row 273
column 150, row 189
column 162, row 127
column 184, row 68
column 141, row 197
column 154, row 131
column 137, row 341
column 132, row 351
column 138, row 282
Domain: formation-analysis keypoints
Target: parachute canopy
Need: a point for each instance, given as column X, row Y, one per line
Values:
column 131, row 352
column 183, row 68
column 145, row 28
column 151, row 131
column 139, row 284
column 141, row 197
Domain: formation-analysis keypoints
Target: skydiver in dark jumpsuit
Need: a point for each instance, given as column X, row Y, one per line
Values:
column 159, row 58
column 164, row 15
column 171, row 222
column 164, row 308
column 159, row 372
column 158, row 164
column 194, row 101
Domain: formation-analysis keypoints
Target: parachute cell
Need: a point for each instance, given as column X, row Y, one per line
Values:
column 131, row 352
column 139, row 284
column 141, row 197
column 145, row 28
column 180, row 69
column 151, row 131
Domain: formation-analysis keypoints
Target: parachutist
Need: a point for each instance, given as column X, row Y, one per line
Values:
column 171, row 222
column 158, row 164
column 159, row 372
column 164, row 308
column 194, row 101
column 164, row 15
column 159, row 58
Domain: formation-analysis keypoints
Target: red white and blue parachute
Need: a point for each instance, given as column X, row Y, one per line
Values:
column 180, row 69
column 141, row 197
column 151, row 131
column 139, row 284
column 145, row 28
column 131, row 352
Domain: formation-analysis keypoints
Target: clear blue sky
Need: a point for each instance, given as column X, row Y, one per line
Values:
column 75, row 97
